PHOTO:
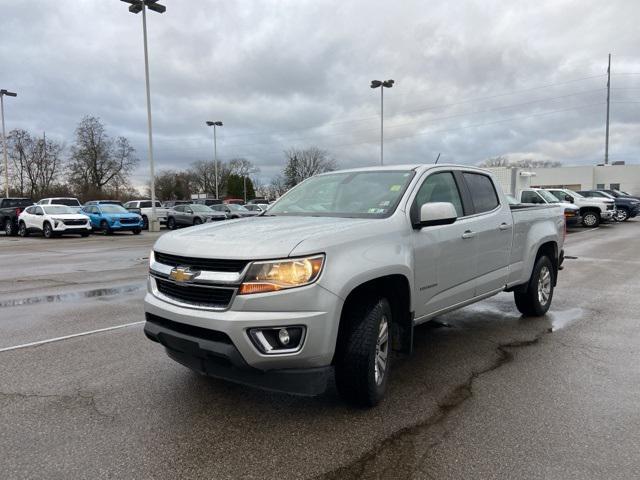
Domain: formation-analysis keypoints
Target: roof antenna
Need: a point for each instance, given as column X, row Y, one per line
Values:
column 438, row 158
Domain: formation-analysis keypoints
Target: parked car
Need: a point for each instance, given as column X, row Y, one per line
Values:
column 254, row 207
column 112, row 202
column 144, row 207
column 540, row 196
column 192, row 214
column 172, row 203
column 619, row 193
column 110, row 217
column 340, row 270
column 234, row 211
column 10, row 209
column 53, row 221
column 207, row 201
column 260, row 200
column 233, row 201
column 72, row 202
column 592, row 210
column 626, row 207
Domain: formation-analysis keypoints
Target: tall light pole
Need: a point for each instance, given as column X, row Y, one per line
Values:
column 382, row 84
column 244, row 181
column 4, row 92
column 215, row 151
column 137, row 6
column 606, row 141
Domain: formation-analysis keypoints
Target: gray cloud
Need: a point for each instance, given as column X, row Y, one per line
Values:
column 473, row 79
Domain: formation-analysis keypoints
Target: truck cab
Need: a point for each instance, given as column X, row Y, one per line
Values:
column 539, row 196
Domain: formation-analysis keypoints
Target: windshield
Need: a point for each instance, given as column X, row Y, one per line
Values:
column 109, row 208
column 71, row 202
column 363, row 194
column 57, row 209
column 549, row 197
column 200, row 208
column 236, row 208
column 573, row 194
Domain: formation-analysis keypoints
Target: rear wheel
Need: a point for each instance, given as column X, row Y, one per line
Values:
column 9, row 229
column 22, row 230
column 171, row 223
column 363, row 360
column 47, row 230
column 536, row 299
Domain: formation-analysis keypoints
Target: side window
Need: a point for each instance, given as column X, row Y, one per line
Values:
column 439, row 187
column 179, row 208
column 30, row 210
column 146, row 204
column 483, row 194
column 39, row 211
column 531, row 197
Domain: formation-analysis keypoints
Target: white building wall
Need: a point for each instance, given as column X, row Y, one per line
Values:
column 589, row 177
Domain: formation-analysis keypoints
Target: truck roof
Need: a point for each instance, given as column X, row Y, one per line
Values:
column 407, row 167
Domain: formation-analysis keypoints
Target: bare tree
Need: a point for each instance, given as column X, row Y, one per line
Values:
column 97, row 160
column 501, row 161
column 277, row 187
column 305, row 163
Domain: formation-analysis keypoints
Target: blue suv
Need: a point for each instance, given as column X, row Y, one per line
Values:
column 110, row 217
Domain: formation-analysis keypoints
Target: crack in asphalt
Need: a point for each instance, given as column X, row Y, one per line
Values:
column 400, row 443
column 87, row 399
column 73, row 296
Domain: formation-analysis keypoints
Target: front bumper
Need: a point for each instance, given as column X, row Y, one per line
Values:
column 64, row 228
column 126, row 226
column 212, row 353
column 608, row 214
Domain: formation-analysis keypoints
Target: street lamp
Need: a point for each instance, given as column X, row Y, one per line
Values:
column 215, row 151
column 4, row 92
column 137, row 6
column 244, row 182
column 382, row 84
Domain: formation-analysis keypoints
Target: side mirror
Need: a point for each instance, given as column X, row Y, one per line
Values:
column 568, row 198
column 437, row 213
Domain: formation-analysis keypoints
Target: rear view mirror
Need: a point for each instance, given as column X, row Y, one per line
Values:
column 437, row 213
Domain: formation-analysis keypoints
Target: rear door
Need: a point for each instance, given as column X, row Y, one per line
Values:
column 179, row 214
column 28, row 217
column 492, row 227
column 38, row 218
column 444, row 255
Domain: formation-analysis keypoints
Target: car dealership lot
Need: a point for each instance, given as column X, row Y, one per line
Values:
column 486, row 393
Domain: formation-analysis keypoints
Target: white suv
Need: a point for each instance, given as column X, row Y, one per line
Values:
column 52, row 220
column 68, row 201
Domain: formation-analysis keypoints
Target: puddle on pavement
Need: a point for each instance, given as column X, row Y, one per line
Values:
column 73, row 296
column 564, row 318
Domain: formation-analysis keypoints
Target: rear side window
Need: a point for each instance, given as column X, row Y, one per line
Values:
column 483, row 194
column 146, row 204
column 179, row 208
column 531, row 197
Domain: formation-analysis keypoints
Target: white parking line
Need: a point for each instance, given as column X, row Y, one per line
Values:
column 66, row 337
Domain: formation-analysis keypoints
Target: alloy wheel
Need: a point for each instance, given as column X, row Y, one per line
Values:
column 382, row 351
column 544, row 285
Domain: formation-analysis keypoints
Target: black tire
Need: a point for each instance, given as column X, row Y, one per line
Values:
column 22, row 230
column 590, row 219
column 47, row 230
column 171, row 223
column 9, row 229
column 197, row 221
column 356, row 363
column 136, row 231
column 104, row 226
column 622, row 215
column 530, row 301
column 145, row 222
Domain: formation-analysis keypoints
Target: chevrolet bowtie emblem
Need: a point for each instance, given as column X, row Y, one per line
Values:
column 183, row 274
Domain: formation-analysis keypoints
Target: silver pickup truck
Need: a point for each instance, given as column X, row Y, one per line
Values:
column 334, row 277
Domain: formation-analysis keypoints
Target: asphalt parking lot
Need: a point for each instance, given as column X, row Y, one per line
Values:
column 487, row 394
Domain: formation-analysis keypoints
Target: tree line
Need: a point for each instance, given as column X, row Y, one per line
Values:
column 99, row 166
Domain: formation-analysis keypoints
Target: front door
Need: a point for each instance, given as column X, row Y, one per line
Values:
column 445, row 255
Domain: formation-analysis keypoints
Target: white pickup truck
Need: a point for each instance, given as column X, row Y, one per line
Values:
column 592, row 210
column 143, row 207
column 339, row 271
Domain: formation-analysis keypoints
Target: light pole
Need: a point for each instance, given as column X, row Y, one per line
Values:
column 137, row 6
column 382, row 84
column 244, row 182
column 215, row 151
column 4, row 92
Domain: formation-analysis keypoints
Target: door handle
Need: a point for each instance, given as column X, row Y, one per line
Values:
column 504, row 226
column 468, row 234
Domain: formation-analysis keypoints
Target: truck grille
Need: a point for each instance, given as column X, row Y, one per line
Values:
column 75, row 222
column 610, row 207
column 196, row 295
column 207, row 264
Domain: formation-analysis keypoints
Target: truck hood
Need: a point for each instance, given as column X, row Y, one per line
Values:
column 261, row 237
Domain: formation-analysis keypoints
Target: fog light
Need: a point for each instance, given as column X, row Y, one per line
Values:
column 283, row 336
column 275, row 340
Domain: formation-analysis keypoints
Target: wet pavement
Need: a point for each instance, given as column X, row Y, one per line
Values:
column 487, row 393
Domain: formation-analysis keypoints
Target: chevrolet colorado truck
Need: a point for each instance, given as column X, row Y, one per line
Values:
column 333, row 278
column 592, row 210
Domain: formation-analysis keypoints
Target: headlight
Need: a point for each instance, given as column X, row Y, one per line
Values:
column 281, row 274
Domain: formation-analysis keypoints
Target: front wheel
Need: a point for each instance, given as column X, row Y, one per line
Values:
column 171, row 223
column 136, row 231
column 197, row 221
column 9, row 229
column 145, row 222
column 535, row 300
column 591, row 219
column 104, row 226
column 362, row 365
column 622, row 215
column 47, row 230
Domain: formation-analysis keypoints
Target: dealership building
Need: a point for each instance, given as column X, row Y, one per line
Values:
column 614, row 177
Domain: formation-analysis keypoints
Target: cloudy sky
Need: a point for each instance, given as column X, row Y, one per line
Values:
column 474, row 79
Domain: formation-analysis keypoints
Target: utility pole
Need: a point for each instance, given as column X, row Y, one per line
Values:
column 606, row 142
column 4, row 92
column 215, row 151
